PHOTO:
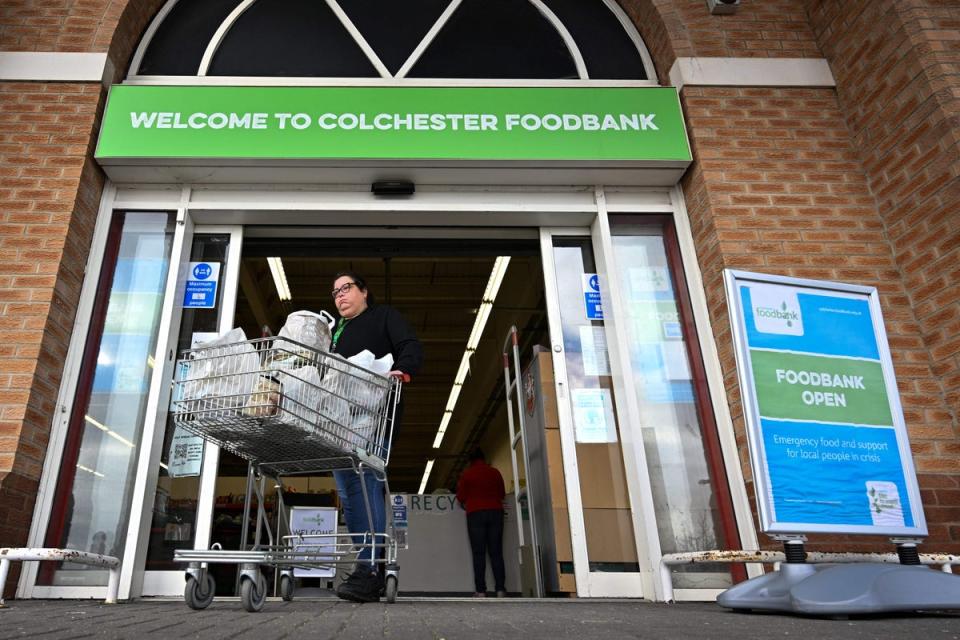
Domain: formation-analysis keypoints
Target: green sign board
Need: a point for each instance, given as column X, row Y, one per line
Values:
column 591, row 125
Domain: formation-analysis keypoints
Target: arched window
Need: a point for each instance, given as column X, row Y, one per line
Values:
column 392, row 39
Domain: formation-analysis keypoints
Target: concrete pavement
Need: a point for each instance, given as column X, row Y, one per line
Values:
column 465, row 619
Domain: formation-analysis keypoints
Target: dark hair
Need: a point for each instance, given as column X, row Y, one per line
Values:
column 359, row 281
column 477, row 454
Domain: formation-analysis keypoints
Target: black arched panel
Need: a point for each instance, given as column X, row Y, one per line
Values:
column 290, row 38
column 392, row 28
column 607, row 50
column 178, row 45
column 496, row 39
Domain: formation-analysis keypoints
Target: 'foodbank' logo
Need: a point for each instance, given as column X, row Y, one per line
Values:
column 776, row 310
column 783, row 313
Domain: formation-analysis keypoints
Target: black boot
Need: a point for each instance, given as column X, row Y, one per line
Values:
column 363, row 585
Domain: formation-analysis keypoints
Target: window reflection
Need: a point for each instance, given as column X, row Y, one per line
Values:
column 92, row 507
column 673, row 441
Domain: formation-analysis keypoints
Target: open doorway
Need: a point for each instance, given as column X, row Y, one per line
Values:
column 438, row 285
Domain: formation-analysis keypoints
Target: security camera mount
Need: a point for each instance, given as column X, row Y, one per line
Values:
column 723, row 7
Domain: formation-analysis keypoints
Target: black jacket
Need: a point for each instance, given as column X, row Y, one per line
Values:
column 381, row 330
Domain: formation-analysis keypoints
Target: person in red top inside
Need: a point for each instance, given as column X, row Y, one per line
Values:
column 481, row 492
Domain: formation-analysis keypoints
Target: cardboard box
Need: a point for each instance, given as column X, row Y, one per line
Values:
column 561, row 534
column 610, row 535
column 548, row 390
column 603, row 484
column 568, row 583
column 558, row 488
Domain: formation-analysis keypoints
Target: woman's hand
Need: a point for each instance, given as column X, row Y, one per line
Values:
column 399, row 374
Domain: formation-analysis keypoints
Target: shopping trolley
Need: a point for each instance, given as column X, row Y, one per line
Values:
column 287, row 409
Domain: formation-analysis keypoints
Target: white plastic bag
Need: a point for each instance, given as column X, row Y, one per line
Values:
column 334, row 408
column 369, row 396
column 222, row 372
column 309, row 328
column 353, row 398
column 365, row 359
column 301, row 396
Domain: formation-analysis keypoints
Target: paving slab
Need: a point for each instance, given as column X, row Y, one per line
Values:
column 449, row 619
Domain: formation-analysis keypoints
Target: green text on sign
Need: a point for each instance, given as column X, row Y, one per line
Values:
column 820, row 388
column 399, row 123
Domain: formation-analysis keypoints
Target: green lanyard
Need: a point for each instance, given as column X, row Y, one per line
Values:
column 336, row 334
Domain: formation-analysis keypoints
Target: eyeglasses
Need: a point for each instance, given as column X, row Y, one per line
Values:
column 343, row 289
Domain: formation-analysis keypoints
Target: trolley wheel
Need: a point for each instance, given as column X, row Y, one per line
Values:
column 253, row 595
column 199, row 596
column 391, row 589
column 286, row 587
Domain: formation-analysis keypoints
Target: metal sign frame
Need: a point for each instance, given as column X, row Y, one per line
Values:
column 734, row 280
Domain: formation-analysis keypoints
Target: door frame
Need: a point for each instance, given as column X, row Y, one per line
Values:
column 594, row 583
column 27, row 587
column 170, row 583
column 465, row 210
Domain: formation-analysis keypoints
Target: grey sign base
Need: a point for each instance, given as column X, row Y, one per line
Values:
column 846, row 589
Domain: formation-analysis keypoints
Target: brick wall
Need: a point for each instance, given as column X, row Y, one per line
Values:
column 49, row 195
column 685, row 28
column 777, row 188
column 58, row 25
column 897, row 66
column 101, row 26
column 50, row 191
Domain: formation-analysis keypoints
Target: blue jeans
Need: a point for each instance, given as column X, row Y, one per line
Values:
column 355, row 511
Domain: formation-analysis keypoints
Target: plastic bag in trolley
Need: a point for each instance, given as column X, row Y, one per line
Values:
column 220, row 374
column 308, row 329
column 301, row 396
column 354, row 397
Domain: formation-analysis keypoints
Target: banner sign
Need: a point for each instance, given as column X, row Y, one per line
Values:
column 828, row 443
column 595, row 124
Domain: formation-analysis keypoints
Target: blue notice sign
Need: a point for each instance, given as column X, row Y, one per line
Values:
column 201, row 289
column 399, row 511
column 591, row 296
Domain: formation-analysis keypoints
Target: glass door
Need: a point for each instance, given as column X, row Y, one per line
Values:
column 677, row 430
column 95, row 499
column 600, row 507
column 187, row 467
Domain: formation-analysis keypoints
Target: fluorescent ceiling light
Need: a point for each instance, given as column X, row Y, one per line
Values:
column 479, row 323
column 279, row 278
column 89, row 470
column 98, row 425
column 454, row 395
column 110, row 432
column 426, row 476
column 464, row 368
column 496, row 278
column 444, row 422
